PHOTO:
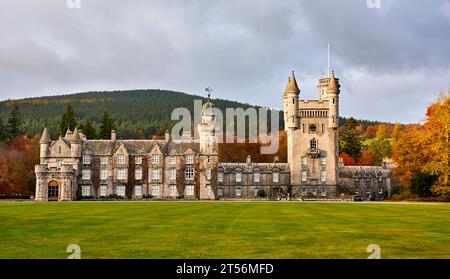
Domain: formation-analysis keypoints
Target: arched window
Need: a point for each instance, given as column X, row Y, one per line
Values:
column 313, row 144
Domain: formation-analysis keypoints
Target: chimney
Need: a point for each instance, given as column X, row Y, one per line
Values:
column 167, row 136
column 113, row 135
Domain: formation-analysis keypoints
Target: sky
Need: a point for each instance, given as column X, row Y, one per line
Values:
column 392, row 56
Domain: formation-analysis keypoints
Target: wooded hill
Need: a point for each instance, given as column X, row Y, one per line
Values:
column 136, row 113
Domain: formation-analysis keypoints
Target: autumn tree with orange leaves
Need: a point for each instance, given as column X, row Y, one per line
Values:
column 424, row 149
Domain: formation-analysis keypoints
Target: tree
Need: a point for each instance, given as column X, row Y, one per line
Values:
column 106, row 126
column 380, row 148
column 384, row 131
column 437, row 133
column 2, row 131
column 371, row 132
column 88, row 129
column 347, row 159
column 349, row 141
column 366, row 158
column 421, row 184
column 68, row 120
column 14, row 124
column 396, row 131
column 408, row 154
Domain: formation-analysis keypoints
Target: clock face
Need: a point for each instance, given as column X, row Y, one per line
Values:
column 312, row 128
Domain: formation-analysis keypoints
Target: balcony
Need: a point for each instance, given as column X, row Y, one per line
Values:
column 314, row 152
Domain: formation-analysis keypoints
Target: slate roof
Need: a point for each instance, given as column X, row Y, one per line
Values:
column 138, row 147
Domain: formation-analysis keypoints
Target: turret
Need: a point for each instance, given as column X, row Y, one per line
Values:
column 75, row 144
column 290, row 97
column 208, row 137
column 45, row 144
column 333, row 91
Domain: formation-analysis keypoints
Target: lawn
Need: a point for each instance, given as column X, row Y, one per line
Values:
column 223, row 229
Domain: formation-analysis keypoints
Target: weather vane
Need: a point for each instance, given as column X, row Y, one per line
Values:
column 209, row 90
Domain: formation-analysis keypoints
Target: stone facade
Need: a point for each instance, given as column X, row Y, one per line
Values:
column 73, row 167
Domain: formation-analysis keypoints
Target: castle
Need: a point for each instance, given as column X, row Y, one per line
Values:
column 73, row 167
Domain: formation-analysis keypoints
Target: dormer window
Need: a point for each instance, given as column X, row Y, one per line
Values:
column 86, row 159
column 189, row 159
column 155, row 159
column 120, row 159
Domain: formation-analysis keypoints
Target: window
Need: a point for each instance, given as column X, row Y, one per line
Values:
column 255, row 192
column 238, row 177
column 189, row 190
column 86, row 159
column 120, row 159
column 323, row 176
column 314, row 191
column 304, row 191
column 86, row 174
column 155, row 190
column 173, row 174
column 220, row 176
column 104, row 160
column 103, row 190
column 138, row 160
column 120, row 174
column 155, row 159
column 208, row 174
column 172, row 190
column 172, row 161
column 238, row 192
column 256, row 177
column 85, row 191
column 380, row 190
column 209, row 159
column 208, row 189
column 59, row 164
column 103, row 174
column 155, row 174
column 189, row 159
column 368, row 191
column 138, row 174
column 220, row 192
column 189, row 174
column 304, row 176
column 303, row 161
column 313, row 144
column 323, row 161
column 275, row 177
column 138, row 190
column 120, row 191
column 323, row 192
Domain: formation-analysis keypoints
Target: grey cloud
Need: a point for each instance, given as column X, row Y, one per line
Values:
column 244, row 49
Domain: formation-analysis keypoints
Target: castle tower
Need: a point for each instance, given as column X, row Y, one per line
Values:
column 290, row 97
column 311, row 127
column 208, row 151
column 45, row 143
column 291, row 117
column 333, row 91
column 75, row 144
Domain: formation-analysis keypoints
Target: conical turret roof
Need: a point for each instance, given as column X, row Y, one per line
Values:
column 292, row 86
column 76, row 136
column 45, row 136
column 333, row 85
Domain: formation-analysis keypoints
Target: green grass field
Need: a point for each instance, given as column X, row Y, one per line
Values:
column 224, row 229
